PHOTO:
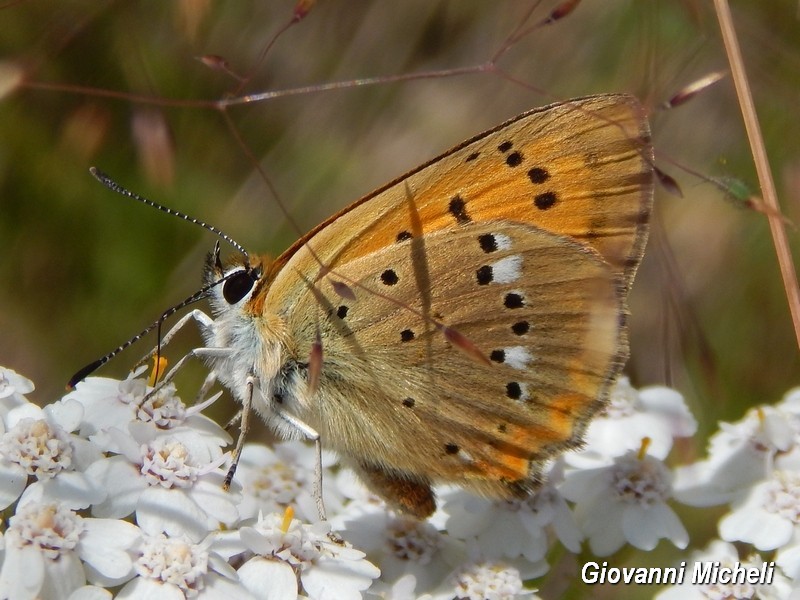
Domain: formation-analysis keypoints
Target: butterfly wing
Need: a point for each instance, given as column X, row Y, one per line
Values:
column 396, row 397
column 524, row 240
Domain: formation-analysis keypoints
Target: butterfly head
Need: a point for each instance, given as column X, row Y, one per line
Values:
column 235, row 283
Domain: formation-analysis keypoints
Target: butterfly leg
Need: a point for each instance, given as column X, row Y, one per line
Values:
column 202, row 353
column 312, row 435
column 204, row 323
column 244, row 428
column 208, row 382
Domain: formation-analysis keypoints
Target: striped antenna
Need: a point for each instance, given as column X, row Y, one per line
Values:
column 115, row 187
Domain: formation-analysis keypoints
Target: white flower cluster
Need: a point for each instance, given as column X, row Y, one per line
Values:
column 111, row 491
column 753, row 467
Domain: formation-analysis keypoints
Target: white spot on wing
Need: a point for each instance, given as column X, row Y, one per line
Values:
column 507, row 269
column 502, row 241
column 465, row 457
column 517, row 357
column 525, row 395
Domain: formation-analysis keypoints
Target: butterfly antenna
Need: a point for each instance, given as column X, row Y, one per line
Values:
column 198, row 295
column 115, row 187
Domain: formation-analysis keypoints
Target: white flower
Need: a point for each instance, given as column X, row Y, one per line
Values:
column 274, row 478
column 727, row 555
column 658, row 413
column 766, row 516
column 739, row 455
column 12, row 383
column 513, row 528
column 108, row 402
column 286, row 547
column 177, row 568
column 111, row 404
column 203, row 437
column 402, row 589
column 405, row 546
column 625, row 501
column 159, row 479
column 488, row 580
column 44, row 547
column 38, row 445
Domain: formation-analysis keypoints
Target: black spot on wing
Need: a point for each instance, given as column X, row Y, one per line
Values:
column 514, row 159
column 520, row 327
column 513, row 300
column 458, row 208
column 545, row 200
column 484, row 275
column 488, row 242
column 538, row 175
column 389, row 277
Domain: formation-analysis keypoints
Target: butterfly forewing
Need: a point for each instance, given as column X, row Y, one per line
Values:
column 582, row 168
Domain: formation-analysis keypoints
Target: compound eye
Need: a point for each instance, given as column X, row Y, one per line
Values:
column 239, row 284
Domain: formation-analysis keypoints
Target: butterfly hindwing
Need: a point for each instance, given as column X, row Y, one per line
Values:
column 394, row 393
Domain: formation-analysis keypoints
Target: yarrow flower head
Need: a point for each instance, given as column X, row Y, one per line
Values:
column 284, row 547
column 487, row 580
column 725, row 555
column 513, row 528
column 618, row 480
column 657, row 413
column 108, row 402
column 74, row 473
column 625, row 502
column 405, row 547
column 178, row 568
column 40, row 449
column 768, row 515
column 38, row 446
column 111, row 404
column 44, row 547
column 158, row 478
column 273, row 479
column 740, row 454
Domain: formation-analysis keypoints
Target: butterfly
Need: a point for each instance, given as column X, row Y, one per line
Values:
column 459, row 325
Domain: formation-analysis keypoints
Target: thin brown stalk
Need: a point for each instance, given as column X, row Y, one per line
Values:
column 776, row 223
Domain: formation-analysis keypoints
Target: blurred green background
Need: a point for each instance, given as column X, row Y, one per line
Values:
column 82, row 269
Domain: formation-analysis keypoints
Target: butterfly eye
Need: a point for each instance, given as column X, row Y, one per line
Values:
column 236, row 288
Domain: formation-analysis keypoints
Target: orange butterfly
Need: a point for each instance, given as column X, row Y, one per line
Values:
column 523, row 240
column 461, row 324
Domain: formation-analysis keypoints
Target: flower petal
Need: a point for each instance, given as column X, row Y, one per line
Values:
column 122, row 479
column 90, row 592
column 104, row 543
column 22, row 574
column 269, row 579
column 173, row 512
column 12, row 481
